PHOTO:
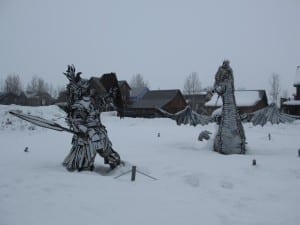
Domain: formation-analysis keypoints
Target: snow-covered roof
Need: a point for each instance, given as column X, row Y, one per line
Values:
column 243, row 98
column 297, row 76
column 29, row 94
column 292, row 102
column 196, row 93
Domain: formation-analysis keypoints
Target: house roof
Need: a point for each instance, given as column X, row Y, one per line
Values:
column 156, row 99
column 123, row 82
column 31, row 94
column 199, row 97
column 243, row 98
column 137, row 91
column 292, row 102
column 297, row 77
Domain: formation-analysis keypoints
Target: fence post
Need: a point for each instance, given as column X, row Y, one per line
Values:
column 133, row 173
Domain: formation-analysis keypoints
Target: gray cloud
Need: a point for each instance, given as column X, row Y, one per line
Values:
column 163, row 40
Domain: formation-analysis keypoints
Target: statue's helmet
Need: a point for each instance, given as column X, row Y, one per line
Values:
column 83, row 86
column 226, row 63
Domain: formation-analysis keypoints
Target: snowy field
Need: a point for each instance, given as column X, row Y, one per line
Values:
column 195, row 185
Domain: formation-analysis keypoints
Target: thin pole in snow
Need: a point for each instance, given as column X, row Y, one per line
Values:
column 133, row 173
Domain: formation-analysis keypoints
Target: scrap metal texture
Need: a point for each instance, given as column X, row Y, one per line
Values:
column 230, row 138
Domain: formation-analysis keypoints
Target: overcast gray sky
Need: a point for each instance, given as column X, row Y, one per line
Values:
column 164, row 40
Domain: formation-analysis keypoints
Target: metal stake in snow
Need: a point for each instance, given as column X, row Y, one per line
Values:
column 254, row 162
column 269, row 136
column 133, row 172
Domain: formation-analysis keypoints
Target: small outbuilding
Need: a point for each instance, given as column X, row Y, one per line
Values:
column 13, row 98
column 292, row 106
column 39, row 99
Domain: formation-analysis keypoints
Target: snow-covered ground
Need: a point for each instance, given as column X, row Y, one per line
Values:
column 195, row 185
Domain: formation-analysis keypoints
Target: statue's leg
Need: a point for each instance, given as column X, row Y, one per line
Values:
column 113, row 158
column 104, row 148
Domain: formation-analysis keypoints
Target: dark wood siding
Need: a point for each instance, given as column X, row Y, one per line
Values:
column 176, row 104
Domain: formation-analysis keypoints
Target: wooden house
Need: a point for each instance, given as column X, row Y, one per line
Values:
column 125, row 92
column 137, row 94
column 29, row 99
column 292, row 106
column 39, row 99
column 11, row 98
column 247, row 101
column 171, row 101
column 197, row 101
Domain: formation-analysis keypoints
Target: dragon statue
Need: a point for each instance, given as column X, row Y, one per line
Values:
column 230, row 138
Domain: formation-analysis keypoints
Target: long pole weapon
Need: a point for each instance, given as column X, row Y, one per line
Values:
column 39, row 121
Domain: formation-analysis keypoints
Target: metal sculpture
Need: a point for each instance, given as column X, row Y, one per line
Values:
column 271, row 114
column 86, row 100
column 187, row 116
column 84, row 107
column 230, row 138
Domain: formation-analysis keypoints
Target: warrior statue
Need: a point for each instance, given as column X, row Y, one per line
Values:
column 230, row 138
column 84, row 106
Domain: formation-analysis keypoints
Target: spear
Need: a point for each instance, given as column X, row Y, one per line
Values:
column 39, row 121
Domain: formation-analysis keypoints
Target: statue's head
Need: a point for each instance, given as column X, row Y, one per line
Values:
column 223, row 77
column 226, row 63
column 84, row 87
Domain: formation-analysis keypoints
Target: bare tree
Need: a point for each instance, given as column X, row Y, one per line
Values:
column 55, row 91
column 13, row 84
column 1, row 85
column 285, row 94
column 137, row 81
column 37, row 85
column 274, row 91
column 192, row 84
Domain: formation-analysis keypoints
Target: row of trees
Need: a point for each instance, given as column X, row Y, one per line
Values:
column 192, row 85
column 13, row 84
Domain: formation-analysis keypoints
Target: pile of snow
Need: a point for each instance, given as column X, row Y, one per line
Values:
column 195, row 185
column 9, row 122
